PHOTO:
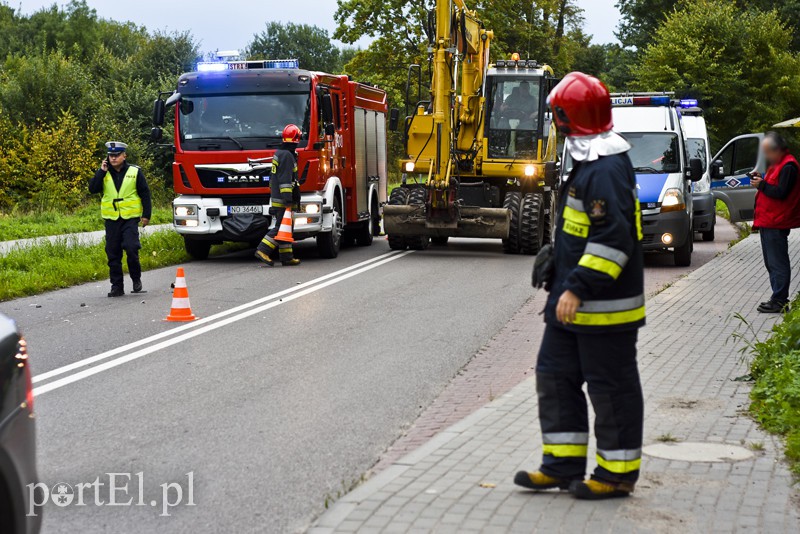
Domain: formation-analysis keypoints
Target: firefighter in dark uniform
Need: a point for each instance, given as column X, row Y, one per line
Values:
column 285, row 193
column 125, row 202
column 594, row 309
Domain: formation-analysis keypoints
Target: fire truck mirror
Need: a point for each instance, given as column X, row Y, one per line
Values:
column 394, row 119
column 156, row 134
column 159, row 110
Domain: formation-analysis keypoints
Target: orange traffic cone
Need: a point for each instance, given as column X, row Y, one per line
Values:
column 285, row 231
column 181, row 309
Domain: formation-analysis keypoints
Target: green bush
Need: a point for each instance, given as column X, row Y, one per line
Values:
column 776, row 392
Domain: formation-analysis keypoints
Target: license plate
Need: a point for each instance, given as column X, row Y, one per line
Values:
column 232, row 210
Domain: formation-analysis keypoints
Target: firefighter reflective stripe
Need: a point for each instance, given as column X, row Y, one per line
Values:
column 286, row 189
column 124, row 203
column 620, row 461
column 267, row 241
column 596, row 263
column 638, row 215
column 575, row 204
column 609, row 318
column 565, row 444
column 606, row 252
column 615, row 305
column 573, row 215
column 573, row 438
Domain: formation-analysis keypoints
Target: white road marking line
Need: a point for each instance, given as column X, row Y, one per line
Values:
column 210, row 327
column 167, row 333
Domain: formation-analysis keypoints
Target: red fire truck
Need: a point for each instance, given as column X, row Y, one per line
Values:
column 228, row 121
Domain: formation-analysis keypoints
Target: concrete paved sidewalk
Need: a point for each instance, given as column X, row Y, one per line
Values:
column 461, row 481
column 80, row 238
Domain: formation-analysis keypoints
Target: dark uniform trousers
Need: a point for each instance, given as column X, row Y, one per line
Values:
column 607, row 363
column 123, row 235
column 269, row 245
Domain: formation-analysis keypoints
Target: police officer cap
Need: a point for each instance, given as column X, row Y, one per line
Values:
column 115, row 147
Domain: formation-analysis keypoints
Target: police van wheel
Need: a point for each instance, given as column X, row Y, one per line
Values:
column 417, row 197
column 196, row 248
column 683, row 254
column 531, row 224
column 399, row 197
column 512, row 202
column 709, row 235
column 551, row 207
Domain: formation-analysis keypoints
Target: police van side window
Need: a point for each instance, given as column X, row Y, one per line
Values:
column 746, row 155
column 727, row 160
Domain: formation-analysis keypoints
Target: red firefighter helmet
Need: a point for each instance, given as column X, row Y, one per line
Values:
column 581, row 105
column 291, row 134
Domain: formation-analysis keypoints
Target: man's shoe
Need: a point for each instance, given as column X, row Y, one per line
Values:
column 539, row 481
column 116, row 292
column 773, row 307
column 595, row 490
column 265, row 258
column 137, row 287
column 290, row 263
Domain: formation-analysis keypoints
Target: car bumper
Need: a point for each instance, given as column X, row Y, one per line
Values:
column 705, row 214
column 656, row 226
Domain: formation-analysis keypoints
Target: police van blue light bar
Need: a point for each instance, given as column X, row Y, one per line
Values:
column 689, row 103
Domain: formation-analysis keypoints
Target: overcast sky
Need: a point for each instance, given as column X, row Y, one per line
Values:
column 233, row 25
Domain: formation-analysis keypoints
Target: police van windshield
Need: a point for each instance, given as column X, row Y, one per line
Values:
column 228, row 122
column 513, row 117
column 696, row 148
column 654, row 153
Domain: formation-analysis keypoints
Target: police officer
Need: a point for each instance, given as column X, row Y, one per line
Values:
column 594, row 309
column 125, row 202
column 285, row 192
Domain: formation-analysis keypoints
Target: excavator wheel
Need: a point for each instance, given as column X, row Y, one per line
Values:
column 399, row 197
column 512, row 202
column 417, row 197
column 531, row 224
column 440, row 241
column 551, row 206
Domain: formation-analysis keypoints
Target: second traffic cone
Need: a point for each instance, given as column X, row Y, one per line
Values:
column 285, row 231
column 181, row 309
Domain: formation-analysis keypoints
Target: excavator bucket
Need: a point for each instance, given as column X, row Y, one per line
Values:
column 409, row 220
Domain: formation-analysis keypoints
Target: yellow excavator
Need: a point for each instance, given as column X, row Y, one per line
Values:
column 481, row 154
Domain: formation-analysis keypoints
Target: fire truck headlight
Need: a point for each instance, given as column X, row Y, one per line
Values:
column 410, row 166
column 185, row 211
column 311, row 208
column 530, row 171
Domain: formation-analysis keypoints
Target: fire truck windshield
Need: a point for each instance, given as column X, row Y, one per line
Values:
column 513, row 118
column 240, row 121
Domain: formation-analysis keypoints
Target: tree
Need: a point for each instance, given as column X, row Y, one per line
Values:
column 738, row 62
column 309, row 44
column 640, row 19
column 788, row 11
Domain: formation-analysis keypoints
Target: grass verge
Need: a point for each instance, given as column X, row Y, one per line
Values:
column 743, row 229
column 48, row 266
column 86, row 219
column 775, row 397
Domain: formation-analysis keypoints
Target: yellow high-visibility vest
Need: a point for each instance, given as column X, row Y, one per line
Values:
column 124, row 202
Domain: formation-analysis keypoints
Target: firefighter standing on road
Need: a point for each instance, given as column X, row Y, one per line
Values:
column 125, row 202
column 285, row 192
column 595, row 307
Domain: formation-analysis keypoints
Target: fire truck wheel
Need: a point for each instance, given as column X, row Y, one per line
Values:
column 399, row 197
column 551, row 205
column 512, row 202
column 372, row 227
column 197, row 249
column 328, row 243
column 531, row 224
column 417, row 197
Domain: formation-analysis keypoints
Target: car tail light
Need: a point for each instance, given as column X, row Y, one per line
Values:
column 22, row 356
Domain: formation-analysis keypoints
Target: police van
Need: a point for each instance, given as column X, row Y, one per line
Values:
column 697, row 146
column 665, row 170
column 730, row 180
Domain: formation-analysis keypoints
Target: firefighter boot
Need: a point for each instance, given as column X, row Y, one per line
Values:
column 595, row 490
column 287, row 255
column 290, row 263
column 263, row 257
column 539, row 481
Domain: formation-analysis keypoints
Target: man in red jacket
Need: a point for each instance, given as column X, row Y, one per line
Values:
column 777, row 212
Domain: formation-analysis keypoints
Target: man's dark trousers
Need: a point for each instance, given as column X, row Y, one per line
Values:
column 775, row 246
column 123, row 235
column 607, row 363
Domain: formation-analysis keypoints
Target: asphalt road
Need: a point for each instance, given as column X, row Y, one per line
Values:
column 287, row 390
